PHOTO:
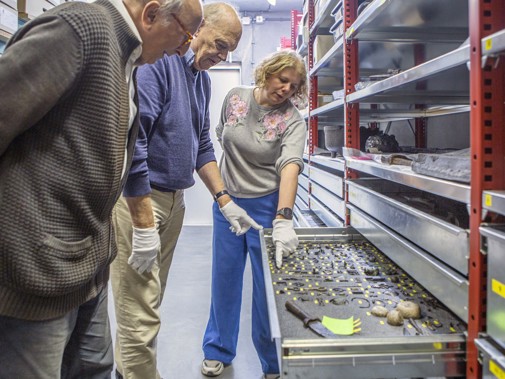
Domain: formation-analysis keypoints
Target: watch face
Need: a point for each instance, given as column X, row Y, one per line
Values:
column 286, row 213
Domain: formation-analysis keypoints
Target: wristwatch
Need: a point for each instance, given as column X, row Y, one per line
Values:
column 287, row 213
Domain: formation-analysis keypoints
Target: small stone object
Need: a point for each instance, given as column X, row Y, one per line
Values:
column 379, row 311
column 372, row 271
column 395, row 318
column 409, row 309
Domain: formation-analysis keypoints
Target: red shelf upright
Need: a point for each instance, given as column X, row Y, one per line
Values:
column 295, row 21
column 421, row 124
column 487, row 141
column 351, row 77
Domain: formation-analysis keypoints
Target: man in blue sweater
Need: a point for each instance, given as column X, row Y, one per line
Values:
column 173, row 142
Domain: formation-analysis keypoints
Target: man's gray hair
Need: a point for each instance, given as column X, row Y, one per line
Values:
column 170, row 6
column 217, row 16
column 218, row 12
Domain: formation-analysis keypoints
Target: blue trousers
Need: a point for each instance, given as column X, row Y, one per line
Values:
column 229, row 256
column 76, row 345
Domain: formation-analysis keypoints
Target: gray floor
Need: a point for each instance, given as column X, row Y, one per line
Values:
column 185, row 311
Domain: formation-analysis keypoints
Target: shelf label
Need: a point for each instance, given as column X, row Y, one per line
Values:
column 489, row 44
column 488, row 200
column 498, row 288
column 496, row 370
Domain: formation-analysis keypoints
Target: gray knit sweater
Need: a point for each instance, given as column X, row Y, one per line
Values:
column 63, row 130
column 258, row 142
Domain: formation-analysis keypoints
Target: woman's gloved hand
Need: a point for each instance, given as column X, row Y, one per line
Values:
column 284, row 238
column 239, row 220
column 145, row 247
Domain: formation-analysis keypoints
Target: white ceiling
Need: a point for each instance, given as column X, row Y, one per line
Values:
column 263, row 5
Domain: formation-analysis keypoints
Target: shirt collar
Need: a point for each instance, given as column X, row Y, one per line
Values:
column 118, row 4
column 189, row 59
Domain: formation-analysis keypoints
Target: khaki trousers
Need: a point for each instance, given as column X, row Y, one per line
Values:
column 137, row 298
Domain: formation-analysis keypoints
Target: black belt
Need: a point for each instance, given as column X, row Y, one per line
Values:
column 153, row 186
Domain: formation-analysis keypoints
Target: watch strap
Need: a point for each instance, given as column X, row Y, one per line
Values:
column 287, row 213
column 220, row 193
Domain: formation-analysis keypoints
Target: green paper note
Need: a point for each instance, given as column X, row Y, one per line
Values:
column 343, row 327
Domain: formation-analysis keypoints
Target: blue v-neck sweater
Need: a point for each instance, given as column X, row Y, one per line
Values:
column 174, row 137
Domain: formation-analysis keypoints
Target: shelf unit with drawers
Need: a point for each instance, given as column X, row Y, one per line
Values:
column 432, row 227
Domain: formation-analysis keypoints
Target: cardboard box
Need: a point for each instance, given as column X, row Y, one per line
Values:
column 323, row 99
column 322, row 44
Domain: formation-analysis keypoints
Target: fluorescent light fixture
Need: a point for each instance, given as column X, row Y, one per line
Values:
column 272, row 2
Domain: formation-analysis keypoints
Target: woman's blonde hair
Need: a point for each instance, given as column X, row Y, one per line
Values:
column 279, row 61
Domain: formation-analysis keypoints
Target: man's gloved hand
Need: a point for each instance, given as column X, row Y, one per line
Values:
column 284, row 238
column 238, row 218
column 145, row 247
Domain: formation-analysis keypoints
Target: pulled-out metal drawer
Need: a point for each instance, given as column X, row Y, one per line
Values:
column 447, row 285
column 337, row 273
column 492, row 359
column 327, row 180
column 445, row 241
column 493, row 243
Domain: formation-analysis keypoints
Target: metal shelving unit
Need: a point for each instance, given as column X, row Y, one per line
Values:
column 439, row 74
column 487, row 98
column 434, row 80
column 322, row 22
column 329, row 62
column 404, row 175
column 494, row 43
column 415, row 20
column 494, row 201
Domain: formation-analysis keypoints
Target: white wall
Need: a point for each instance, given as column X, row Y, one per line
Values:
column 260, row 40
column 198, row 199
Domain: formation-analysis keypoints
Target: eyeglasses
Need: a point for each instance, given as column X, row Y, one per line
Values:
column 189, row 36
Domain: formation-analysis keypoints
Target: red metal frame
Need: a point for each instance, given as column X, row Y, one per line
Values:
column 421, row 124
column 295, row 21
column 487, row 141
column 351, row 77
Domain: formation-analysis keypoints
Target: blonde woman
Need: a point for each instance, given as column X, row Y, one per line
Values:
column 263, row 136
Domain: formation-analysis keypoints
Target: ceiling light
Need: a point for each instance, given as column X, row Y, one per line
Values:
column 272, row 2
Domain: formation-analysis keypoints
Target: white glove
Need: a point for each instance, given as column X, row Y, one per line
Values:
column 238, row 218
column 145, row 247
column 284, row 238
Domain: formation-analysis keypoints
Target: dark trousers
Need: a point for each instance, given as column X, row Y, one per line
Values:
column 76, row 345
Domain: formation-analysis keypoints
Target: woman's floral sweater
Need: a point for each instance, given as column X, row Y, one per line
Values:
column 258, row 142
